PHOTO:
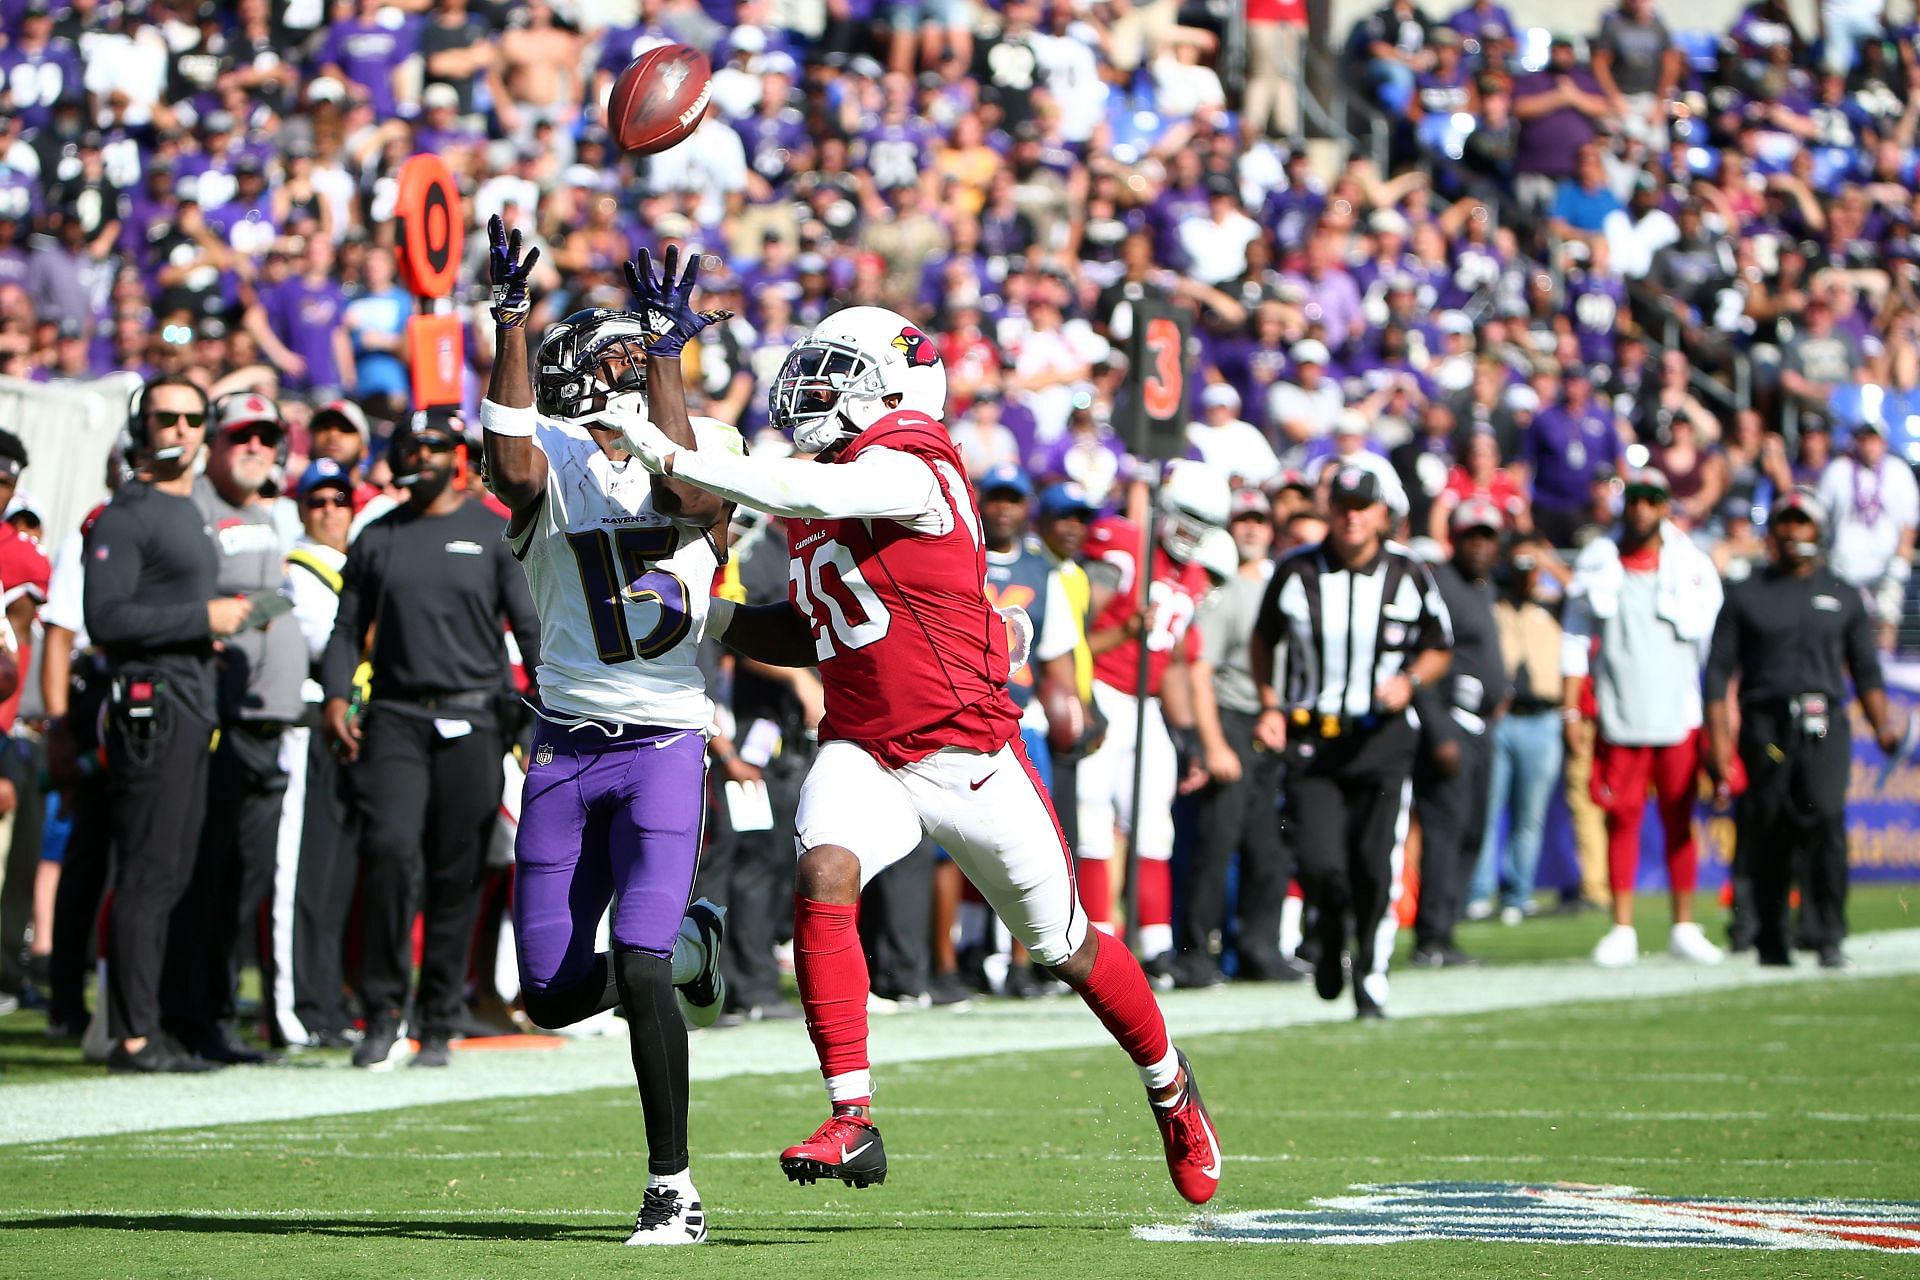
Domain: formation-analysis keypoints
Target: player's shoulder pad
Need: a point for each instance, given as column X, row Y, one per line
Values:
column 907, row 430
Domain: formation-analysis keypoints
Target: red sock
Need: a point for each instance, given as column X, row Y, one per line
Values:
column 1119, row 996
column 1156, row 892
column 1096, row 889
column 832, row 972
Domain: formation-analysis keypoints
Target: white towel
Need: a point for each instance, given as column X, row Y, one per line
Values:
column 1687, row 591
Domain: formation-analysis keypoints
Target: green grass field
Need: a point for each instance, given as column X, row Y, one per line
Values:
column 1038, row 1164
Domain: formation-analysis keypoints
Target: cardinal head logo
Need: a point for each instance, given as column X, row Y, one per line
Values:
column 917, row 347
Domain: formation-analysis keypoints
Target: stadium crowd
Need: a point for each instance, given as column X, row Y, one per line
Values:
column 1556, row 262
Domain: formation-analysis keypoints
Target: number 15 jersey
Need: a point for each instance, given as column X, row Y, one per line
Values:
column 912, row 656
column 622, row 590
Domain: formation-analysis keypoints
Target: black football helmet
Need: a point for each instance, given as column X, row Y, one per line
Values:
column 588, row 362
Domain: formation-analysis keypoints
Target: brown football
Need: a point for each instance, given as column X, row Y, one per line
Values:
column 659, row 99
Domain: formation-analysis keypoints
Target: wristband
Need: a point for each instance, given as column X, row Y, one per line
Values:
column 719, row 617
column 504, row 420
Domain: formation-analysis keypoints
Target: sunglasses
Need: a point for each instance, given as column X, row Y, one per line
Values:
column 255, row 435
column 1638, row 493
column 319, row 501
column 162, row 418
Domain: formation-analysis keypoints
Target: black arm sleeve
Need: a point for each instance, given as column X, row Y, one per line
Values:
column 775, row 634
column 1863, row 660
column 1724, row 654
column 516, row 603
column 114, row 561
column 359, row 596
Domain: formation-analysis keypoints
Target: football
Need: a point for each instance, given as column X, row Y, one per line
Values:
column 659, row 99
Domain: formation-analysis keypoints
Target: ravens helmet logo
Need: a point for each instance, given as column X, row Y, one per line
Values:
column 917, row 347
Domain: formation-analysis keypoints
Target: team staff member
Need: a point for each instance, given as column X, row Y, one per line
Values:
column 431, row 582
column 1348, row 632
column 1236, row 809
column 151, row 605
column 1457, row 715
column 260, row 671
column 1788, row 632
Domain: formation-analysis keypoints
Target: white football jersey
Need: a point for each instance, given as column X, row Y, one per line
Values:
column 622, row 590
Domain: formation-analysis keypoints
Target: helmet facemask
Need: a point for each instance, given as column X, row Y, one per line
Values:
column 827, row 391
column 594, row 373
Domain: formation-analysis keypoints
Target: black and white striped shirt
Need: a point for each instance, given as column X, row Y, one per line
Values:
column 1338, row 632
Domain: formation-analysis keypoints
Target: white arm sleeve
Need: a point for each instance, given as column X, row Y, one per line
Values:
column 1576, row 637
column 1057, row 633
column 882, row 484
column 314, row 607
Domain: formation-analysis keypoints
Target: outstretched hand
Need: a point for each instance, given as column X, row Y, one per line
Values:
column 507, row 273
column 667, row 304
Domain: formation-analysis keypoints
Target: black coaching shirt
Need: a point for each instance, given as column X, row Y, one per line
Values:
column 1338, row 632
column 433, row 591
column 1788, row 635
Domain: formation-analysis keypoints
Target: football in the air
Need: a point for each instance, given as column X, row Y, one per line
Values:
column 659, row 99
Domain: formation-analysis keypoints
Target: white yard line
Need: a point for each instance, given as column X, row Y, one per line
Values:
column 117, row 1104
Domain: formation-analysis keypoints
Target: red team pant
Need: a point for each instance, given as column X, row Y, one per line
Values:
column 1622, row 776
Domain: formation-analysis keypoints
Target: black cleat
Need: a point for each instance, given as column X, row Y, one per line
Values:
column 157, row 1058
column 846, row 1147
column 434, row 1052
column 1330, row 975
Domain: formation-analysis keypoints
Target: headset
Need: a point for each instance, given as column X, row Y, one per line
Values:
column 137, row 417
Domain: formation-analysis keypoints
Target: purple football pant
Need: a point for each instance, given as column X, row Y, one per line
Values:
column 605, row 819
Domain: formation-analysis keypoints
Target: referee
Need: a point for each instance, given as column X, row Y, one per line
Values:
column 432, row 583
column 1347, row 633
column 1794, row 634
column 151, row 605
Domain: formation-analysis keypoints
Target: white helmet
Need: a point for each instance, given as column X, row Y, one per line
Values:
column 1194, row 498
column 842, row 378
column 1218, row 554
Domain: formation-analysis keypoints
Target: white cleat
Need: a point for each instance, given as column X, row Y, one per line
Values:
column 1688, row 943
column 1619, row 949
column 668, row 1217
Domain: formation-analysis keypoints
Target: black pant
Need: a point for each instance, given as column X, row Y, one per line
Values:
column 1791, row 826
column 157, row 793
column 427, row 806
column 755, row 880
column 76, row 903
column 323, row 891
column 894, row 914
column 21, row 765
column 1346, row 820
column 232, row 876
column 1453, row 821
column 1238, row 817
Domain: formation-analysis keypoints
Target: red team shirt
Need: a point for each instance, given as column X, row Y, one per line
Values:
column 23, row 571
column 1175, row 594
column 912, row 656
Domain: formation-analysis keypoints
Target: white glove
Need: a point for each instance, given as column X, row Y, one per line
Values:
column 644, row 440
column 1019, row 636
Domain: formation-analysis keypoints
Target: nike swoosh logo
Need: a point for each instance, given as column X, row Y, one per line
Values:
column 664, row 743
column 846, row 1155
column 975, row 786
column 1212, row 1170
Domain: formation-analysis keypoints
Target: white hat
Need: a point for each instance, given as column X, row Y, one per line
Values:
column 747, row 40
column 1352, row 422
column 1522, row 398
column 1309, row 351
column 1455, row 322
column 1390, row 220
column 440, row 94
column 583, row 176
column 1219, row 394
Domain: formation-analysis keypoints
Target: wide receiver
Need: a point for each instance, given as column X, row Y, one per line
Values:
column 920, row 737
column 621, row 564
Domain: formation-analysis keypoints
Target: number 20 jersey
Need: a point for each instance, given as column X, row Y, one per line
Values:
column 912, row 656
column 622, row 590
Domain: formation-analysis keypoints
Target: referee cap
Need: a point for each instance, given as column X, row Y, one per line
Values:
column 1356, row 487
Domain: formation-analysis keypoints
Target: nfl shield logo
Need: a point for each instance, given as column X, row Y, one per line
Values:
column 544, row 755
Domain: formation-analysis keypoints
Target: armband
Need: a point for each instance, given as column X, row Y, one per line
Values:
column 719, row 617
column 502, row 420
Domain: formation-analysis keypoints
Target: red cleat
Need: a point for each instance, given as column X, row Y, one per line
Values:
column 1193, row 1148
column 846, row 1147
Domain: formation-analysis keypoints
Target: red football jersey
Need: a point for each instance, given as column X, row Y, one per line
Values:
column 1175, row 594
column 24, row 571
column 912, row 657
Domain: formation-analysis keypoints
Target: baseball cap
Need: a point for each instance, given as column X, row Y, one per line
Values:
column 1390, row 221
column 1867, row 424
column 1522, row 398
column 247, row 409
column 1455, row 322
column 440, row 94
column 1649, row 482
column 1005, row 478
column 341, row 413
column 1291, row 478
column 1477, row 513
column 1351, row 422
column 324, row 471
column 1066, row 498
column 1309, row 351
column 1221, row 184
column 1355, row 487
column 1220, row 393
column 1249, row 502
column 1802, row 502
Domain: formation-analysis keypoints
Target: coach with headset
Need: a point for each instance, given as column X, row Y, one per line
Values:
column 153, row 606
column 1794, row 634
column 431, row 584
